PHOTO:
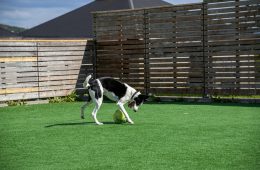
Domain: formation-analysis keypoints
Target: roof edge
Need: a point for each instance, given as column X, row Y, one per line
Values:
column 131, row 4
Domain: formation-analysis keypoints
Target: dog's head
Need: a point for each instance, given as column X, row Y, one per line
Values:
column 137, row 102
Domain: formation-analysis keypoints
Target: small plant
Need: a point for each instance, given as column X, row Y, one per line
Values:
column 72, row 97
column 11, row 103
column 16, row 103
column 217, row 99
column 55, row 100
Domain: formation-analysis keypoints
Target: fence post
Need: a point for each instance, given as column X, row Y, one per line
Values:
column 237, row 82
column 205, row 46
column 94, row 56
column 146, row 57
column 38, row 71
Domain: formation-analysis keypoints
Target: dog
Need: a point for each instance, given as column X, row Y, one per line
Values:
column 116, row 91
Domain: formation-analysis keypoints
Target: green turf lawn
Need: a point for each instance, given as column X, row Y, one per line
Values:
column 164, row 136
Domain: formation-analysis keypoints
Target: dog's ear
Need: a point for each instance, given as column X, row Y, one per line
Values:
column 143, row 97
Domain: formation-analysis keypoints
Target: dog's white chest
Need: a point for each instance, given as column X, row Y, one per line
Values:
column 111, row 95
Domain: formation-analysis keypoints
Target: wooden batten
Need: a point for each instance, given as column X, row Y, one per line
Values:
column 18, row 59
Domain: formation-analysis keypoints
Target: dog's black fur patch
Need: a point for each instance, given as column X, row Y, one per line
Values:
column 96, row 88
column 115, row 86
column 140, row 99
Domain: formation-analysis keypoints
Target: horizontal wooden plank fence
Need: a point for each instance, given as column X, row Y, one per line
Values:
column 232, row 32
column 34, row 69
column 204, row 49
column 210, row 48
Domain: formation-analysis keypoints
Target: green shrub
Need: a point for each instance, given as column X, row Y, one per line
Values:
column 72, row 97
column 56, row 100
column 16, row 103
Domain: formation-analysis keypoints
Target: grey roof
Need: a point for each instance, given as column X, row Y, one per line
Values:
column 148, row 3
column 78, row 23
column 6, row 33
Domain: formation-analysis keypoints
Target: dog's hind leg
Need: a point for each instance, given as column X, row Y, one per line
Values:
column 84, row 106
column 98, row 103
column 96, row 93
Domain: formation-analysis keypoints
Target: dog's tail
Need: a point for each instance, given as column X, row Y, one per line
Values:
column 86, row 82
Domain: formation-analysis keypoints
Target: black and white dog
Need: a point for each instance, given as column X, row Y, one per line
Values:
column 115, row 91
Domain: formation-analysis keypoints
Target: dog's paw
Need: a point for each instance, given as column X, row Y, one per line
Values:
column 99, row 123
column 131, row 122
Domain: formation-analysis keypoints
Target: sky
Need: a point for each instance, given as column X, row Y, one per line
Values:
column 30, row 13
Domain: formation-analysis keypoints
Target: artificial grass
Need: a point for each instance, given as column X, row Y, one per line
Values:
column 164, row 136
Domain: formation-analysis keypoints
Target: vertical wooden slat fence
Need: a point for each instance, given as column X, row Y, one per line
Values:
column 33, row 69
column 203, row 49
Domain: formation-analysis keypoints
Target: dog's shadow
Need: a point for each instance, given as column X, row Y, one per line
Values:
column 77, row 124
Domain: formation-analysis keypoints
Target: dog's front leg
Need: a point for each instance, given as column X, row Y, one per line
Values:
column 121, row 106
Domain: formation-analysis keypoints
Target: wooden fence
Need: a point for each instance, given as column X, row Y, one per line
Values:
column 204, row 48
column 33, row 69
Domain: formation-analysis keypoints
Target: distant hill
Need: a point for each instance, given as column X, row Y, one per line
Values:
column 12, row 29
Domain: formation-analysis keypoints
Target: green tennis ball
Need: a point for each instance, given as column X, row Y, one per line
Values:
column 119, row 117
